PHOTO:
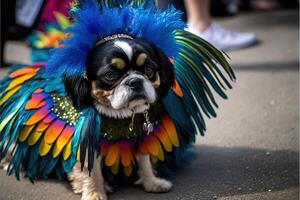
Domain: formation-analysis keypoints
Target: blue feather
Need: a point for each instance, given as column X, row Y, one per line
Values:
column 154, row 26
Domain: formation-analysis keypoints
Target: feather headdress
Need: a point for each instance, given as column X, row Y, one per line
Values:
column 94, row 21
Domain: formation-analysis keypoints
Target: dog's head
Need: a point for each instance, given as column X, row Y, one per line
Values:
column 122, row 76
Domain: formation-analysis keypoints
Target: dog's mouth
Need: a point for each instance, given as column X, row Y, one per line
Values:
column 137, row 102
column 137, row 96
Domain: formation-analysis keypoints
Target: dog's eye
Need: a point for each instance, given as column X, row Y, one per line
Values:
column 111, row 76
column 149, row 72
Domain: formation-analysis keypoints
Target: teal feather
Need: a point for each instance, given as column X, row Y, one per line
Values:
column 43, row 164
column 197, row 72
column 176, row 110
column 90, row 137
column 17, row 128
column 31, row 161
column 18, row 158
column 51, row 165
column 189, row 81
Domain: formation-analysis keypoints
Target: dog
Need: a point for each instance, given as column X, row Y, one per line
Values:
column 123, row 76
column 127, row 88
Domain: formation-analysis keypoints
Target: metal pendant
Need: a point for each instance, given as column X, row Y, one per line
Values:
column 147, row 128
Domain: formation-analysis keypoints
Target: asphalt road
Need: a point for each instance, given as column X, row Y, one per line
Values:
column 251, row 151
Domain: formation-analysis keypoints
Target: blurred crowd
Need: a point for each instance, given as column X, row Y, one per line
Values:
column 20, row 17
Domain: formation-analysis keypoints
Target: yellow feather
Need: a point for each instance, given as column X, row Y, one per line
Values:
column 128, row 170
column 113, row 155
column 6, row 120
column 161, row 155
column 34, row 137
column 19, row 80
column 62, row 20
column 25, row 132
column 170, row 130
column 152, row 145
column 153, row 159
column 9, row 94
column 67, row 150
column 78, row 153
column 44, row 148
column 164, row 139
column 56, row 150
column 115, row 168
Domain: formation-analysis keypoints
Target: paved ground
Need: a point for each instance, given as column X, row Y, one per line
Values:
column 251, row 149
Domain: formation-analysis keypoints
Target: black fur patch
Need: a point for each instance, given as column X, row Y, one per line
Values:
column 78, row 88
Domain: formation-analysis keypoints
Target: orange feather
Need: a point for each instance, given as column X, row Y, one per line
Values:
column 38, row 115
column 177, row 90
column 164, row 139
column 170, row 130
column 34, row 101
column 143, row 148
column 54, row 131
column 49, row 118
column 113, row 155
column 126, row 153
column 152, row 144
column 42, row 126
column 25, row 70
column 38, row 90
column 19, row 80
column 62, row 140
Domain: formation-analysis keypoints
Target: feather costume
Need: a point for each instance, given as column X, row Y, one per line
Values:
column 50, row 135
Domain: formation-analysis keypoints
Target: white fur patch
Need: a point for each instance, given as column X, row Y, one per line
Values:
column 147, row 179
column 121, row 113
column 121, row 105
column 125, row 47
column 119, row 99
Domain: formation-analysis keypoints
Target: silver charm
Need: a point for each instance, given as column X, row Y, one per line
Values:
column 147, row 126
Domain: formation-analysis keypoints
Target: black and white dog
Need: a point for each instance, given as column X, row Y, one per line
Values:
column 123, row 76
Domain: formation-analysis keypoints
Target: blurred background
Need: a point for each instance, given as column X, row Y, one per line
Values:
column 251, row 150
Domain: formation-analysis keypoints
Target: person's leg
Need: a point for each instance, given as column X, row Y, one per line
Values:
column 201, row 24
column 198, row 14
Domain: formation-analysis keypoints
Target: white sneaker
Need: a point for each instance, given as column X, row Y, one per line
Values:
column 224, row 39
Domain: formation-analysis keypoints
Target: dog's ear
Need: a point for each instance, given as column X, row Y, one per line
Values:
column 78, row 88
column 167, row 76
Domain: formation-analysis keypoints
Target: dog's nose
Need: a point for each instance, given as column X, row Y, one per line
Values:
column 135, row 84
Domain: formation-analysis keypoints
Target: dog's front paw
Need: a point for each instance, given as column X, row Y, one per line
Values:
column 93, row 196
column 155, row 185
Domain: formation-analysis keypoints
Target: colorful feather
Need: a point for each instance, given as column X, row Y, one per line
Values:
column 54, row 131
column 38, row 115
column 170, row 130
column 126, row 153
column 62, row 140
column 113, row 155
